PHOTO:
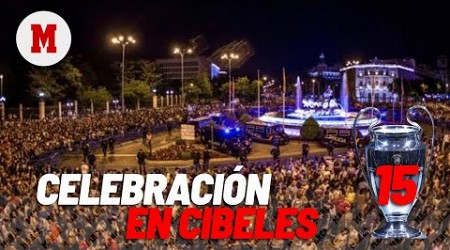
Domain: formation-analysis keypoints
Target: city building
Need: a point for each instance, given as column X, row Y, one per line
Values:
column 322, row 75
column 374, row 79
column 170, row 68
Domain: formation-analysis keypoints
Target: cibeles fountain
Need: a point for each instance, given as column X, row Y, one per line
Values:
column 327, row 111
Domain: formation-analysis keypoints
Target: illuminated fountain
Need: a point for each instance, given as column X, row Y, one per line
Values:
column 326, row 111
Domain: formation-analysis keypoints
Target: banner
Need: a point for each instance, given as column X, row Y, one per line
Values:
column 187, row 132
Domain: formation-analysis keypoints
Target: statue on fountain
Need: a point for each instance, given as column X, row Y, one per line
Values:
column 328, row 94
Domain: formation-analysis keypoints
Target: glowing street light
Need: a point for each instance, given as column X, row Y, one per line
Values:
column 1, row 86
column 314, row 86
column 120, row 40
column 182, row 52
column 229, row 57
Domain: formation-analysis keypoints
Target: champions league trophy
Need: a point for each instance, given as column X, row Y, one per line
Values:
column 395, row 171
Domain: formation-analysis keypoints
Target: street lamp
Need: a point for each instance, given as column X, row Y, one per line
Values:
column 229, row 57
column 182, row 52
column 69, row 105
column 115, row 102
column 120, row 40
column 314, row 86
column 1, row 86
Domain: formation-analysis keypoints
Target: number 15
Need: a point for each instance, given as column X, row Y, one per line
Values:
column 392, row 179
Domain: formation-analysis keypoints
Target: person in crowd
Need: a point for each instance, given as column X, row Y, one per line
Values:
column 196, row 159
column 111, row 142
column 206, row 158
column 85, row 149
column 84, row 167
column 141, row 161
column 169, row 128
column 275, row 152
column 305, row 151
column 91, row 159
column 149, row 137
column 243, row 154
column 330, row 148
column 104, row 146
column 144, row 133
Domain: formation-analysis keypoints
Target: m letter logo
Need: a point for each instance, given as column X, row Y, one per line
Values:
column 46, row 37
column 43, row 38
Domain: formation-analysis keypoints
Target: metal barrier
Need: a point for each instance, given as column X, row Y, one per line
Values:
column 53, row 157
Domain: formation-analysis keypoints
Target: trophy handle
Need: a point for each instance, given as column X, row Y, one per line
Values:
column 355, row 132
column 413, row 123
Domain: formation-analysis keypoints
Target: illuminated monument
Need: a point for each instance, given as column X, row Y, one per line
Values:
column 326, row 110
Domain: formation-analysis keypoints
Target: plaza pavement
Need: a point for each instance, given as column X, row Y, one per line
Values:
column 125, row 153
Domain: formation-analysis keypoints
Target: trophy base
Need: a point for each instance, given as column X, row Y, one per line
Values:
column 397, row 229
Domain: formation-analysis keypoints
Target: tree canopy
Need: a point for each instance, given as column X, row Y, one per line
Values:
column 58, row 82
column 98, row 96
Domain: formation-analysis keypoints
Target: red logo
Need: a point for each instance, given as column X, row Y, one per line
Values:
column 43, row 38
column 46, row 37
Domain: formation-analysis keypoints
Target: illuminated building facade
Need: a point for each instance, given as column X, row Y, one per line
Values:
column 324, row 75
column 373, row 81
column 170, row 68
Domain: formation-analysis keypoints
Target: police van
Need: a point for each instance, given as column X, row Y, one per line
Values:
column 229, row 140
column 200, row 122
column 266, row 132
column 342, row 137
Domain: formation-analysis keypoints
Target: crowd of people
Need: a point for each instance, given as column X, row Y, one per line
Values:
column 180, row 152
column 333, row 184
column 22, row 143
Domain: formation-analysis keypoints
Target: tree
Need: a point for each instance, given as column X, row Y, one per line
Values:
column 199, row 88
column 59, row 82
column 310, row 129
column 203, row 82
column 129, row 74
column 148, row 72
column 136, row 90
column 98, row 96
column 245, row 90
column 224, row 91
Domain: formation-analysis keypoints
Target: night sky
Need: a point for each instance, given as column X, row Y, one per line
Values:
column 282, row 33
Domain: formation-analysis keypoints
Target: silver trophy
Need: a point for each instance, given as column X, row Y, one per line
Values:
column 397, row 146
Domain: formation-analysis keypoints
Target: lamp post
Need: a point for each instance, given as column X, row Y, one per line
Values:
column 115, row 102
column 1, row 85
column 69, row 105
column 372, row 87
column 154, row 99
column 2, row 99
column 182, row 52
column 229, row 57
column 167, row 98
column 120, row 40
column 259, row 96
column 41, row 105
column 314, row 86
